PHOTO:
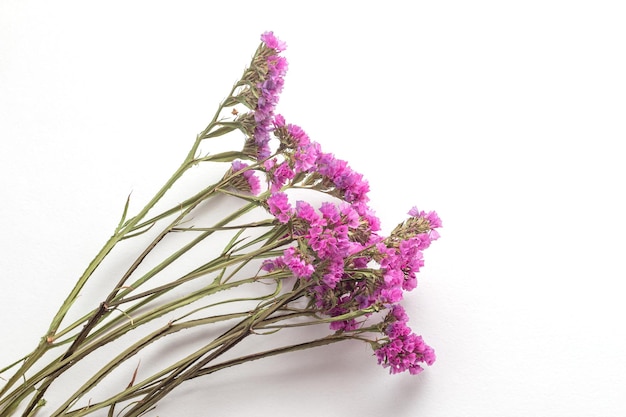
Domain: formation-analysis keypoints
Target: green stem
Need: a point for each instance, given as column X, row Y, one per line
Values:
column 134, row 393
column 338, row 337
column 124, row 230
column 127, row 227
column 206, row 269
column 156, row 377
column 169, row 329
column 242, row 330
column 97, row 341
column 163, row 309
column 169, row 260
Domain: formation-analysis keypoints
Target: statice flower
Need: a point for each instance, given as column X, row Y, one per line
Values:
column 350, row 185
column 296, row 145
column 297, row 263
column 307, row 212
column 279, row 206
column 354, row 270
column 269, row 89
column 273, row 42
column 248, row 181
column 350, row 270
column 320, row 261
column 404, row 350
column 278, row 173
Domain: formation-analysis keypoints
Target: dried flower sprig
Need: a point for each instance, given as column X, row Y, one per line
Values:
column 306, row 264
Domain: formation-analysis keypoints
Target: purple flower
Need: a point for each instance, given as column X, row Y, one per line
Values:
column 252, row 183
column 391, row 295
column 334, row 273
column 404, row 351
column 344, row 325
column 273, row 42
column 270, row 265
column 270, row 164
column 279, row 121
column 393, row 278
column 305, row 156
column 431, row 216
column 300, row 268
column 414, row 212
column 280, row 175
column 351, row 184
column 306, row 212
column 297, row 145
column 299, row 136
column 269, row 90
column 279, row 206
column 350, row 215
column 331, row 242
column 249, row 175
column 398, row 313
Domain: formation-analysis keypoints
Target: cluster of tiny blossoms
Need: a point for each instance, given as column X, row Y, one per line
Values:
column 350, row 271
column 269, row 88
column 405, row 350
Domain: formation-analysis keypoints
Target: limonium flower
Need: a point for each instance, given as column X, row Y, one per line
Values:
column 342, row 240
column 301, row 222
column 280, row 207
column 250, row 182
column 405, row 351
column 269, row 92
column 273, row 42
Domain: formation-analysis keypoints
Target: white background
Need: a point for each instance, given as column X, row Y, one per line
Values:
column 505, row 117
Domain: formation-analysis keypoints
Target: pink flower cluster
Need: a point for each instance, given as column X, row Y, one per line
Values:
column 302, row 152
column 348, row 268
column 350, row 184
column 269, row 91
column 252, row 183
column 279, row 173
column 279, row 206
column 339, row 243
column 405, row 350
column 273, row 42
column 294, row 260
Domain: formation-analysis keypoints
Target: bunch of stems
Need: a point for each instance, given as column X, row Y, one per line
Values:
column 279, row 300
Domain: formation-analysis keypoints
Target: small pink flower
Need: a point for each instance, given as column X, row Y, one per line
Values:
column 279, row 121
column 273, row 42
column 300, row 267
column 279, row 206
column 405, row 350
column 281, row 174
column 252, row 183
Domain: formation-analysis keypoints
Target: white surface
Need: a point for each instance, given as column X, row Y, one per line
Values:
column 505, row 117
